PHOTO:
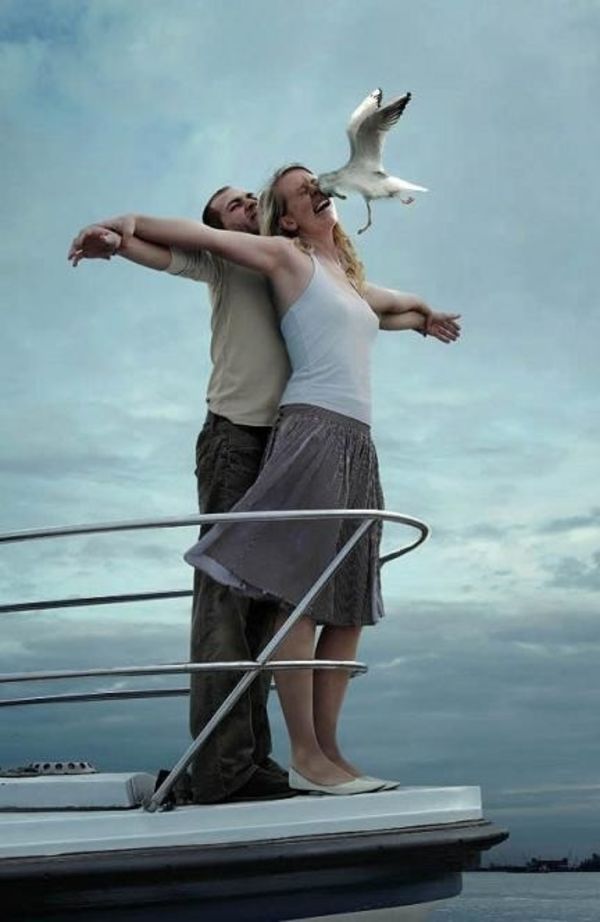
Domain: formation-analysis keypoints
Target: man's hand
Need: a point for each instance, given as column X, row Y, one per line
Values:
column 94, row 242
column 442, row 326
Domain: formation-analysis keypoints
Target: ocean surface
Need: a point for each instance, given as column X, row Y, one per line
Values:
column 492, row 897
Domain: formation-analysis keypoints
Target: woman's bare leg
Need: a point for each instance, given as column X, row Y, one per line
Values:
column 335, row 643
column 295, row 689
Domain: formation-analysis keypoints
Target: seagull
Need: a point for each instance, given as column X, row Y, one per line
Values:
column 364, row 172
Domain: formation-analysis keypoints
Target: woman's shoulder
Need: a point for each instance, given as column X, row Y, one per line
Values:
column 295, row 268
column 289, row 255
column 286, row 246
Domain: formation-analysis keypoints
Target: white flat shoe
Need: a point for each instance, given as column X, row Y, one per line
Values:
column 386, row 785
column 357, row 786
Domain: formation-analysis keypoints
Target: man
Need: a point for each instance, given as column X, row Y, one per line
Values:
column 250, row 369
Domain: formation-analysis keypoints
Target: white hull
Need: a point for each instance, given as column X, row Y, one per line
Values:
column 385, row 857
column 60, row 831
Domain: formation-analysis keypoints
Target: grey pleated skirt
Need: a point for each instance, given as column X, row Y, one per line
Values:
column 315, row 459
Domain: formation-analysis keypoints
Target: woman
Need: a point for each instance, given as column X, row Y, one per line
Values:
column 320, row 454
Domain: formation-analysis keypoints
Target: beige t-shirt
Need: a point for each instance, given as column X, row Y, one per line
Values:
column 250, row 363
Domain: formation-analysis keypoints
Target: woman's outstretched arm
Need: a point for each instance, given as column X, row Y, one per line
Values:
column 398, row 310
column 262, row 254
column 97, row 242
column 389, row 301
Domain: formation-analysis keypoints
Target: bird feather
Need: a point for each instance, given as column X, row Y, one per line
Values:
column 367, row 130
column 362, row 111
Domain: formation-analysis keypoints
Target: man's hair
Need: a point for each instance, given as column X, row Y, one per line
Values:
column 210, row 215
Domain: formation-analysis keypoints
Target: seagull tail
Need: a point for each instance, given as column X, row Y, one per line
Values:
column 395, row 186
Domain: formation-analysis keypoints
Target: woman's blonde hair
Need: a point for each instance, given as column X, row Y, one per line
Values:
column 271, row 209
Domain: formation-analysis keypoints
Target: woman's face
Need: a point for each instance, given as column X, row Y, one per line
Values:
column 307, row 210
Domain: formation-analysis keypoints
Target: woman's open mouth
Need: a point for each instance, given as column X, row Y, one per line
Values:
column 321, row 205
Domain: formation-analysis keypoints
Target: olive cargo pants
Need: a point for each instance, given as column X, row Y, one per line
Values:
column 227, row 626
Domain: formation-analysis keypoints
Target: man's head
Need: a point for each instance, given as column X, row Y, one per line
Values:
column 232, row 209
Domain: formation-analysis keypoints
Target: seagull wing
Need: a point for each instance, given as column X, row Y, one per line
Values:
column 366, row 108
column 369, row 132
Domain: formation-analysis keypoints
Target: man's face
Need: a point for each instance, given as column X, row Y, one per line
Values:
column 237, row 210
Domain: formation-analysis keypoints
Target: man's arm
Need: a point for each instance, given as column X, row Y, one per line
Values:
column 388, row 303
column 144, row 253
column 398, row 310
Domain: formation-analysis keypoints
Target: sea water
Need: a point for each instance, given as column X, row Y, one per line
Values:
column 504, row 897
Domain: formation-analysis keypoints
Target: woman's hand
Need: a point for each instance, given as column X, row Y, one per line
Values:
column 94, row 242
column 124, row 225
column 102, row 240
column 442, row 326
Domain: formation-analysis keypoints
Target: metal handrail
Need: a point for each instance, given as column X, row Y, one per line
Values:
column 178, row 669
column 273, row 515
column 47, row 604
column 351, row 666
column 366, row 517
column 74, row 530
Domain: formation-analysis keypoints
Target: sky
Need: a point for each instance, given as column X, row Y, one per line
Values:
column 485, row 669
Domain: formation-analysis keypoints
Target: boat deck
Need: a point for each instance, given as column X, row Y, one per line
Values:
column 57, row 832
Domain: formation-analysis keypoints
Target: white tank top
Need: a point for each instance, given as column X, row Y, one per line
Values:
column 329, row 332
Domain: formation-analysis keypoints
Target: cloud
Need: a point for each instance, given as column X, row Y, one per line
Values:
column 572, row 523
column 571, row 573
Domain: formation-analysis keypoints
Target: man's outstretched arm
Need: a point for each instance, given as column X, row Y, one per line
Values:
column 151, row 255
